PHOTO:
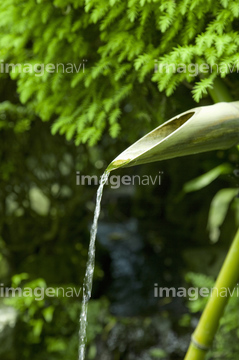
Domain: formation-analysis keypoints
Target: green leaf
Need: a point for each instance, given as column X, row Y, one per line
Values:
column 17, row 279
column 218, row 210
column 207, row 178
column 158, row 353
column 37, row 326
column 48, row 313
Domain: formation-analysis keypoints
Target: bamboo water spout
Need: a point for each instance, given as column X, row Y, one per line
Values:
column 197, row 130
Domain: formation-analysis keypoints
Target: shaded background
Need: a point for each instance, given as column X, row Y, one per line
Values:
column 147, row 234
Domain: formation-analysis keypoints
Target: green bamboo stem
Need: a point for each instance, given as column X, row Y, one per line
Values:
column 204, row 334
column 219, row 92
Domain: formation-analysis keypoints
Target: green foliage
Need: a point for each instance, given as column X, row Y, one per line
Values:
column 33, row 308
column 49, row 323
column 40, row 207
column 109, row 53
column 218, row 210
column 207, row 178
column 222, row 201
column 158, row 354
column 200, row 281
column 15, row 117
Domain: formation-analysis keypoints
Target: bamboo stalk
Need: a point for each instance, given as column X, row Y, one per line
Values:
column 204, row 334
column 219, row 92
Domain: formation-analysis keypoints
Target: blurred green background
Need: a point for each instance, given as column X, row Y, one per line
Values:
column 55, row 124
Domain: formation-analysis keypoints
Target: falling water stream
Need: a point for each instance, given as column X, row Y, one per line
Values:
column 87, row 285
